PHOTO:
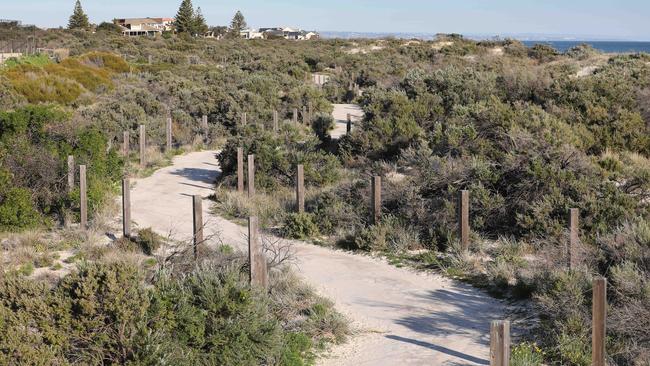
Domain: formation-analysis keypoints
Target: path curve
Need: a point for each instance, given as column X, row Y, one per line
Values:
column 406, row 318
column 340, row 115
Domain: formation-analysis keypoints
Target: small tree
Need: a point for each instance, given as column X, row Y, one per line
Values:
column 200, row 27
column 237, row 25
column 185, row 18
column 78, row 19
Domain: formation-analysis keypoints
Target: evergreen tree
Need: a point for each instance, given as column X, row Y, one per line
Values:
column 238, row 24
column 185, row 18
column 78, row 19
column 200, row 27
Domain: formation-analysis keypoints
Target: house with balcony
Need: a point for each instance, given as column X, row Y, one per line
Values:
column 150, row 27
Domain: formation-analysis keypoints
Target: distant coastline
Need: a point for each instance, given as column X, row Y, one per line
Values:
column 559, row 42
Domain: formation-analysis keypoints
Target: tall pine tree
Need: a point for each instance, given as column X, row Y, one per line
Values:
column 200, row 27
column 237, row 25
column 185, row 22
column 78, row 19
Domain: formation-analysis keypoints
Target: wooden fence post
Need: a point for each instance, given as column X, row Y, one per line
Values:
column 295, row 115
column 310, row 113
column 168, row 133
column 244, row 119
column 240, row 170
column 125, row 143
column 599, row 319
column 574, row 223
column 349, row 124
column 204, row 123
column 300, row 189
column 143, row 146
column 258, row 273
column 305, row 118
column 197, row 214
column 500, row 343
column 463, row 219
column 83, row 198
column 126, row 208
column 251, row 176
column 376, row 199
column 70, row 173
column 275, row 120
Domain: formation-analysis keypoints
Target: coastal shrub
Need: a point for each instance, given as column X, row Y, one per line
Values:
column 149, row 241
column 276, row 158
column 106, row 313
column 300, row 226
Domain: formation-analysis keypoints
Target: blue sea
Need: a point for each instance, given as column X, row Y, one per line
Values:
column 605, row 46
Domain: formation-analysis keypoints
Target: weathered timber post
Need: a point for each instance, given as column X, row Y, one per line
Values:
column 310, row 112
column 125, row 143
column 258, row 273
column 275, row 120
column 240, row 170
column 376, row 199
column 143, row 146
column 83, row 198
column 463, row 219
column 126, row 208
column 204, row 123
column 305, row 118
column 70, row 173
column 150, row 59
column 500, row 343
column 349, row 124
column 168, row 133
column 295, row 115
column 300, row 189
column 197, row 215
column 574, row 238
column 251, row 176
column 244, row 119
column 599, row 319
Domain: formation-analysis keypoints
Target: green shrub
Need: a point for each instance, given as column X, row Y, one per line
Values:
column 148, row 241
column 17, row 212
column 526, row 354
column 300, row 226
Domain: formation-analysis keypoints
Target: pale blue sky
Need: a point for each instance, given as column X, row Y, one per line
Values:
column 616, row 18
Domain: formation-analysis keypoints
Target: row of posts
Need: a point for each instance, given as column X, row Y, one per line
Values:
column 307, row 114
column 500, row 330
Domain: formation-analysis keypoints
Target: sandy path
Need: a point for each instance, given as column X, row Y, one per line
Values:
column 340, row 115
column 406, row 318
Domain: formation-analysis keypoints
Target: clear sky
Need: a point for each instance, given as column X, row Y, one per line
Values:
column 616, row 18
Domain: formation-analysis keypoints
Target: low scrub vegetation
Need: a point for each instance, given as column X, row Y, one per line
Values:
column 523, row 129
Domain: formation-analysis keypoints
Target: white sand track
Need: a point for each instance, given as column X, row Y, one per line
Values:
column 340, row 115
column 405, row 318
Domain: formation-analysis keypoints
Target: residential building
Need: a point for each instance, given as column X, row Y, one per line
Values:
column 145, row 26
column 280, row 32
column 251, row 34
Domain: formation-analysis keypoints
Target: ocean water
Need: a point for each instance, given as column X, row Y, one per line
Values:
column 605, row 46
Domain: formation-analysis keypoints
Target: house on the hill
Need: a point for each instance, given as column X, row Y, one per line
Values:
column 144, row 26
column 280, row 32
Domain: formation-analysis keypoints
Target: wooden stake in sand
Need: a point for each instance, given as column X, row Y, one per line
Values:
column 300, row 188
column 83, row 198
column 258, row 272
column 500, row 343
column 126, row 208
column 197, row 215
column 251, row 176
column 463, row 219
column 143, row 146
column 599, row 319
column 240, row 170
column 376, row 199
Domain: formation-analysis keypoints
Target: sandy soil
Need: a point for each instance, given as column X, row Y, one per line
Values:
column 402, row 316
column 340, row 115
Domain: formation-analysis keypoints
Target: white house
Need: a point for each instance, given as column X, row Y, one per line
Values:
column 251, row 34
column 145, row 26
